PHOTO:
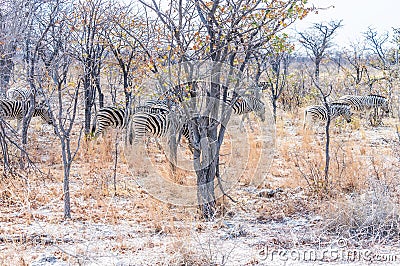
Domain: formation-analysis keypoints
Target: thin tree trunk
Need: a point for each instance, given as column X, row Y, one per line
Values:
column 274, row 107
column 327, row 145
column 88, row 102
column 67, row 165
column 115, row 165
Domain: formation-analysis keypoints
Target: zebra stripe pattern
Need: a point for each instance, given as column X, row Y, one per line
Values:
column 118, row 118
column 19, row 94
column 155, row 124
column 10, row 109
column 154, row 108
column 246, row 104
column 367, row 102
column 319, row 112
column 109, row 117
column 186, row 133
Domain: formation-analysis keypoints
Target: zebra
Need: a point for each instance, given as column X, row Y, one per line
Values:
column 157, row 122
column 109, row 116
column 153, row 108
column 10, row 109
column 19, row 93
column 366, row 102
column 319, row 112
column 119, row 118
column 246, row 103
column 144, row 123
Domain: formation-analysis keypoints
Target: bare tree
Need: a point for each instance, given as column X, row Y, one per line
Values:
column 87, row 22
column 356, row 58
column 378, row 45
column 124, row 40
column 317, row 41
column 223, row 32
column 39, row 21
column 324, row 95
column 13, row 23
column 57, row 55
column 276, row 65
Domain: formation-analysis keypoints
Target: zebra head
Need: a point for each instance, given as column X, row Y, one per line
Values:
column 385, row 106
column 346, row 112
column 341, row 109
column 43, row 110
column 260, row 112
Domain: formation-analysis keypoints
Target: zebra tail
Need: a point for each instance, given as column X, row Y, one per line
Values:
column 94, row 126
column 305, row 118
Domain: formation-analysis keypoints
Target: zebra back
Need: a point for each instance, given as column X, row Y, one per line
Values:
column 366, row 102
column 155, row 124
column 19, row 93
column 155, row 108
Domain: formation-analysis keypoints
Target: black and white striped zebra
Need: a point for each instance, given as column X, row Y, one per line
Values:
column 246, row 103
column 109, row 117
column 319, row 112
column 366, row 102
column 153, row 124
column 157, row 123
column 10, row 109
column 119, row 118
column 19, row 93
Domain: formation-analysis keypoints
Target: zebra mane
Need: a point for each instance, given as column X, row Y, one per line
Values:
column 339, row 104
column 377, row 95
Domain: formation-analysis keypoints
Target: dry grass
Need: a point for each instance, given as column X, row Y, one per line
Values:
column 365, row 218
column 359, row 203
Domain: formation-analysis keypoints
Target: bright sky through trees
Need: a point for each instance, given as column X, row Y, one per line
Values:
column 357, row 16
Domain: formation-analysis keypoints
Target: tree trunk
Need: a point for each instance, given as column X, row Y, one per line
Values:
column 6, row 68
column 66, row 156
column 88, row 102
column 327, row 156
column 101, row 97
column 274, row 99
column 173, row 148
column 4, row 148
column 127, row 90
column 316, row 72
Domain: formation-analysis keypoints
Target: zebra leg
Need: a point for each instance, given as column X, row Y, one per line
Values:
column 19, row 123
column 244, row 117
column 373, row 117
column 250, row 124
column 159, row 146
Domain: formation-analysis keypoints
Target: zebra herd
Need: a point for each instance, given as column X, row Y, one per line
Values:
column 345, row 106
column 154, row 117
